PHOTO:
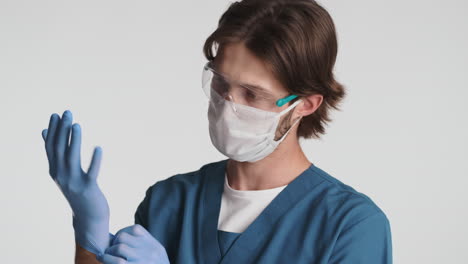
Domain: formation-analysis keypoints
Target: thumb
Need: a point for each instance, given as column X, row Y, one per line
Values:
column 93, row 170
column 44, row 134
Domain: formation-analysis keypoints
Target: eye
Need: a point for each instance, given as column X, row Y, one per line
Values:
column 250, row 95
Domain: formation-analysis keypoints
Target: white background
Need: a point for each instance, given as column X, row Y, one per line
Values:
column 130, row 72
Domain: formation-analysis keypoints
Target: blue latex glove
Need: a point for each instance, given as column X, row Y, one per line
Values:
column 89, row 206
column 134, row 245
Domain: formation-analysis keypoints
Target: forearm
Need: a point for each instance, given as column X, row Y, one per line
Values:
column 82, row 256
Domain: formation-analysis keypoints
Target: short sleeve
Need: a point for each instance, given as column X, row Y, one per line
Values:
column 141, row 214
column 368, row 241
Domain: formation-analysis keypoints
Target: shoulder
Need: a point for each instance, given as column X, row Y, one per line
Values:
column 171, row 194
column 349, row 206
column 361, row 229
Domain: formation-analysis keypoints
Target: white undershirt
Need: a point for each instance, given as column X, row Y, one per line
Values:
column 240, row 208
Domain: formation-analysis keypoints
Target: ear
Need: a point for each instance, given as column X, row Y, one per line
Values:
column 309, row 104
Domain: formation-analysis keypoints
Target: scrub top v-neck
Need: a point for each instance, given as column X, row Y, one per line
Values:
column 226, row 240
column 315, row 219
column 239, row 208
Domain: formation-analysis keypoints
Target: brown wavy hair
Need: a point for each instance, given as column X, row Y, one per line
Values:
column 297, row 41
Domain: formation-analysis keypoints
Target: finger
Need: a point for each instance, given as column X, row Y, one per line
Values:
column 109, row 259
column 133, row 230
column 93, row 170
column 121, row 231
column 122, row 251
column 44, row 134
column 67, row 138
column 136, row 230
column 49, row 144
column 61, row 139
column 123, row 237
column 74, row 157
column 139, row 230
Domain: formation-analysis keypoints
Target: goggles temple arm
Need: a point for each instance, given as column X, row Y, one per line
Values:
column 285, row 100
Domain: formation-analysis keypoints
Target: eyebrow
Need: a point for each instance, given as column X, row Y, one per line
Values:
column 255, row 87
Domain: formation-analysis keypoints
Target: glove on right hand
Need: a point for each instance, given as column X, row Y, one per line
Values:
column 89, row 206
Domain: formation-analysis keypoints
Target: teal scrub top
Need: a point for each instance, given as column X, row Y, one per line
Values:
column 315, row 219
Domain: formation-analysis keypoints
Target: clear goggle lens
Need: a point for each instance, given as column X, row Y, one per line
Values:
column 217, row 88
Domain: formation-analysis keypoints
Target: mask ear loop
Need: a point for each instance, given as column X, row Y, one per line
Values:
column 289, row 107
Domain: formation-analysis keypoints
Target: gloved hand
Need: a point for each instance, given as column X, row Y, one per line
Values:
column 134, row 244
column 89, row 206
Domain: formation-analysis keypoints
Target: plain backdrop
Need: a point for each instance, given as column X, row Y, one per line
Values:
column 130, row 72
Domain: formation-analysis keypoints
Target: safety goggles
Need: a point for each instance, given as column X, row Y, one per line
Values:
column 219, row 87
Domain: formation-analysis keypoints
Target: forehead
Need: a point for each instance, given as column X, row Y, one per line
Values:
column 238, row 63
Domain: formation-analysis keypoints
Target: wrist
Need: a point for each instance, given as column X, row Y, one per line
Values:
column 93, row 236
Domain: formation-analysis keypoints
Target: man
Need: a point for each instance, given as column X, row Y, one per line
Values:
column 269, row 82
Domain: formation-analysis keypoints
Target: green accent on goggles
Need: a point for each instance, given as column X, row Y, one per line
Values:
column 285, row 100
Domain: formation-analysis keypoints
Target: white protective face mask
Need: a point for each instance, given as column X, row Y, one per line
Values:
column 246, row 134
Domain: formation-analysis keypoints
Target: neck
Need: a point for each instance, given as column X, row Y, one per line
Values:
column 277, row 169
